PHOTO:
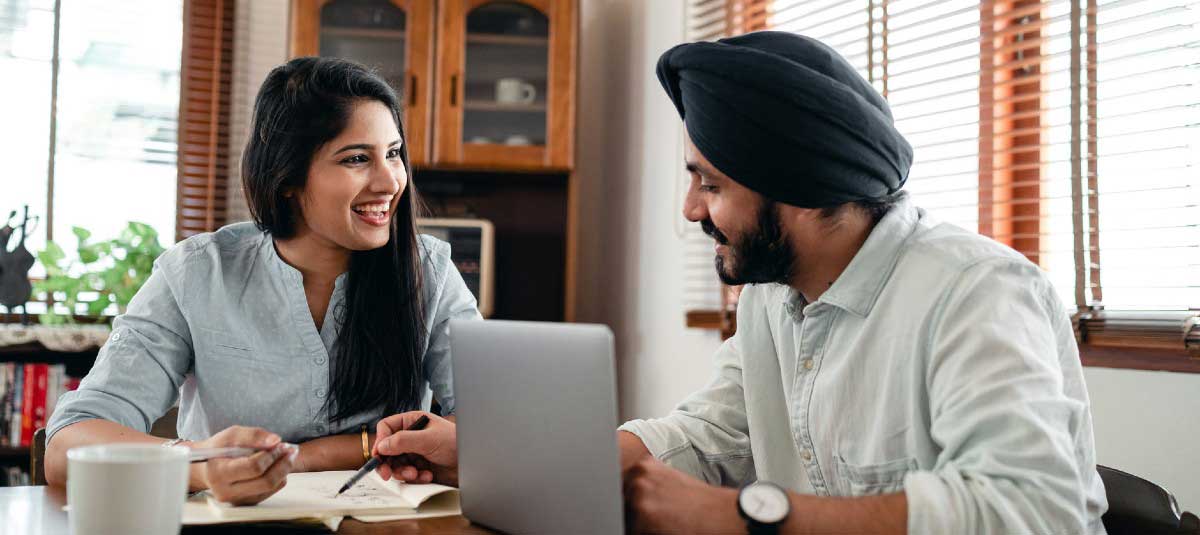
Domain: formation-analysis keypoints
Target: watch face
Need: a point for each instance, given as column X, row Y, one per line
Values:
column 764, row 503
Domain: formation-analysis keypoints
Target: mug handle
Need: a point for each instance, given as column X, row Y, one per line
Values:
column 530, row 93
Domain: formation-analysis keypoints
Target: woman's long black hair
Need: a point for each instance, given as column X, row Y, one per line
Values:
column 302, row 105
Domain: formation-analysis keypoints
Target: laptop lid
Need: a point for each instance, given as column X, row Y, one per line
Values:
column 537, row 414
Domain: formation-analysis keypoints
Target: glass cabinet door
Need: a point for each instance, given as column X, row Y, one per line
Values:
column 503, row 63
column 393, row 37
column 504, row 84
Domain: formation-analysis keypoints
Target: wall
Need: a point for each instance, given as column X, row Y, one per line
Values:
column 1148, row 424
column 629, row 154
column 260, row 44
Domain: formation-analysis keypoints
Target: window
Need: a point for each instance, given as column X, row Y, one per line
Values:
column 93, row 144
column 1066, row 129
column 26, row 50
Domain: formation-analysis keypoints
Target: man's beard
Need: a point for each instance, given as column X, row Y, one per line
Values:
column 763, row 255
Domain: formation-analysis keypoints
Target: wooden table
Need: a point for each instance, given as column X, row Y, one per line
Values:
column 39, row 511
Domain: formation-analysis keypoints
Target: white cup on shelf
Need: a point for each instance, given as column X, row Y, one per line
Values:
column 126, row 489
column 515, row 91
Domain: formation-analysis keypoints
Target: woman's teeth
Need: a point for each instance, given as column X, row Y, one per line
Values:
column 371, row 209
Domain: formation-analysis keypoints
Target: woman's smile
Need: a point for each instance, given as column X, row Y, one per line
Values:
column 374, row 213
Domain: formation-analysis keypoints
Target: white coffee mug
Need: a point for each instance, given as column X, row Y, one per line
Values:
column 126, row 489
column 515, row 91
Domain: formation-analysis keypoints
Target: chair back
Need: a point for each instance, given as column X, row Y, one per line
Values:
column 1139, row 507
column 164, row 428
column 37, row 457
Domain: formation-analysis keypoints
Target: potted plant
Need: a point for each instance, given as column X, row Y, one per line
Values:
column 107, row 272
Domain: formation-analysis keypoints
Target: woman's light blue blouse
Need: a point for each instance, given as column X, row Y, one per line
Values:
column 223, row 327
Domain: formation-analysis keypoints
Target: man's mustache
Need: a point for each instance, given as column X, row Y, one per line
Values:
column 709, row 228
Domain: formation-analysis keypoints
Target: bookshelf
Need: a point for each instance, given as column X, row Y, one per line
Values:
column 54, row 357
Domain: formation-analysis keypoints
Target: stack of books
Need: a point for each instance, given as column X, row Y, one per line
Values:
column 28, row 392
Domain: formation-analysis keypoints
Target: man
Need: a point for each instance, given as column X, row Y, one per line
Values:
column 889, row 374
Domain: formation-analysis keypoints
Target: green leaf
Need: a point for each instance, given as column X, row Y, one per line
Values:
column 143, row 230
column 52, row 254
column 50, row 284
column 127, row 237
column 89, row 253
column 109, row 279
column 96, row 308
column 81, row 233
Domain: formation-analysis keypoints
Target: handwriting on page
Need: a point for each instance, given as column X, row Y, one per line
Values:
column 363, row 494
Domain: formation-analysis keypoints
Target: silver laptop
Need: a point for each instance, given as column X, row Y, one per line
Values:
column 537, row 416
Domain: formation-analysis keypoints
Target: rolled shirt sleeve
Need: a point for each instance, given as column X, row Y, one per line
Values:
column 1007, row 460
column 707, row 435
column 139, row 370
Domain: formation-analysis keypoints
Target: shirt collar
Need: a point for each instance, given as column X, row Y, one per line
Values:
column 860, row 284
column 286, row 271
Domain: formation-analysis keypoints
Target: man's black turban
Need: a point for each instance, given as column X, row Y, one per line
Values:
column 788, row 117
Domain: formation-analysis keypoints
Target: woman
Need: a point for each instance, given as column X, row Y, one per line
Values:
column 308, row 326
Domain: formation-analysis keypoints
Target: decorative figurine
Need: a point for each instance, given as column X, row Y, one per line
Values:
column 15, row 288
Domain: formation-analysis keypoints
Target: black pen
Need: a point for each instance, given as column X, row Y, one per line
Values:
column 375, row 461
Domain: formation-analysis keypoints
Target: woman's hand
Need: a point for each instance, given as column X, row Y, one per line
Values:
column 248, row 480
column 424, row 456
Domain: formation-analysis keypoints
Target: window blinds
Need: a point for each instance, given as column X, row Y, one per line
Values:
column 1066, row 129
column 204, row 116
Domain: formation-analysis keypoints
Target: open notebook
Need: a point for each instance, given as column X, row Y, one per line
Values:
column 311, row 494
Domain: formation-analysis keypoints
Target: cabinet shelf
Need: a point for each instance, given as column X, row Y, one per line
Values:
column 488, row 105
column 502, row 39
column 350, row 31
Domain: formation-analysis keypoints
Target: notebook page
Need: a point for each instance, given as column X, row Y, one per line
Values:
column 311, row 494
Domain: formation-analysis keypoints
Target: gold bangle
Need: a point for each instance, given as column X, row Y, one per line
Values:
column 366, row 444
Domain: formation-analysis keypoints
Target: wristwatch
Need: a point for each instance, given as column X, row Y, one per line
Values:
column 764, row 506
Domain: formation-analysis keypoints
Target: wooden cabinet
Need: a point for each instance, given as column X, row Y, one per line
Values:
column 507, row 76
column 502, row 93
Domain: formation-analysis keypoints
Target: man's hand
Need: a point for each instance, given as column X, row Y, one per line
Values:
column 660, row 499
column 424, row 456
column 247, row 480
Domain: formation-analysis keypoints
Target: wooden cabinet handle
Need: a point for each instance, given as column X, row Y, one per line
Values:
column 412, row 91
column 454, row 89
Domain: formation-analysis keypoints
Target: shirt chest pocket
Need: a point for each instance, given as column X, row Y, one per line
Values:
column 232, row 350
column 875, row 478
